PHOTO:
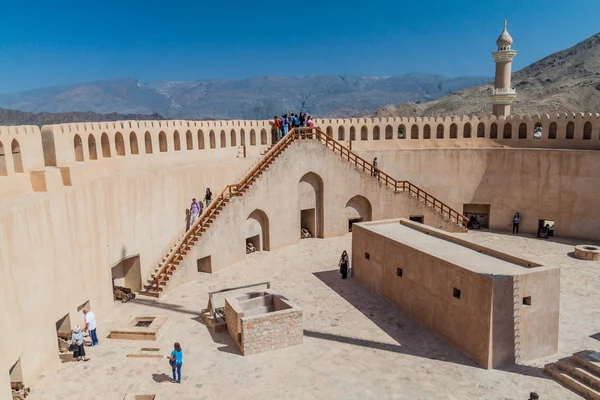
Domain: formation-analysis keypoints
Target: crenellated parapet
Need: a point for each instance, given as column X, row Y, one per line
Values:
column 20, row 150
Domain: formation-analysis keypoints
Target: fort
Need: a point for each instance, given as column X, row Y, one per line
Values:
column 85, row 205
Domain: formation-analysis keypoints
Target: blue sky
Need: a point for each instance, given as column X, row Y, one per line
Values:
column 46, row 43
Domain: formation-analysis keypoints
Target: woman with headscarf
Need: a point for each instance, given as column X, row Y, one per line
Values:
column 77, row 341
column 344, row 264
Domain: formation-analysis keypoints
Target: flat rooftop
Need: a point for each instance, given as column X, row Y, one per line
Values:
column 439, row 244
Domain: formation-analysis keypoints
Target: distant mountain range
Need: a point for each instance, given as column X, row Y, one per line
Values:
column 15, row 117
column 566, row 81
column 252, row 98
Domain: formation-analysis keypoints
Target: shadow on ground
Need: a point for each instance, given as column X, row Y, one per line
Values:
column 411, row 337
column 160, row 378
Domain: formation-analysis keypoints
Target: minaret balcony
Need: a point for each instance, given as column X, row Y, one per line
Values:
column 502, row 95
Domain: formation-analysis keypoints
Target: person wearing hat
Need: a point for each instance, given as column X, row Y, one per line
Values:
column 77, row 341
column 533, row 396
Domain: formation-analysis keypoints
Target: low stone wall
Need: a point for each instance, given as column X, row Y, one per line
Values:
column 271, row 331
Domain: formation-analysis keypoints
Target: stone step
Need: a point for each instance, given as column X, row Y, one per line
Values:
column 572, row 383
column 580, row 373
column 583, row 358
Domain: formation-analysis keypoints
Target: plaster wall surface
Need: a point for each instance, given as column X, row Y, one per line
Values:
column 559, row 185
column 452, row 289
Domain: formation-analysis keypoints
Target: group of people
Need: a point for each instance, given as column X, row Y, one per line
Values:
column 283, row 124
column 77, row 336
column 196, row 208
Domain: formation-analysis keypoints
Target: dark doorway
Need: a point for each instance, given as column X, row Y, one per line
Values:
column 478, row 215
column 545, row 228
column 254, row 241
column 308, row 221
column 417, row 218
column 127, row 273
column 205, row 264
column 352, row 222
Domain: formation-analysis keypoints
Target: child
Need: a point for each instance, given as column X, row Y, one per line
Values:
column 176, row 359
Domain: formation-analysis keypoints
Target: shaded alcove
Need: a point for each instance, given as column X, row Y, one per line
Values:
column 189, row 141
column 119, row 144
column 162, row 142
column 3, row 170
column 263, row 136
column 104, row 142
column 127, row 273
column 92, row 150
column 358, row 209
column 78, row 148
column 200, row 139
column 223, row 139
column 310, row 204
column 252, row 137
column 257, row 230
column 133, row 143
column 17, row 156
column 341, row 133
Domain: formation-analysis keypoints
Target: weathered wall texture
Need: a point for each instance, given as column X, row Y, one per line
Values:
column 560, row 185
column 271, row 331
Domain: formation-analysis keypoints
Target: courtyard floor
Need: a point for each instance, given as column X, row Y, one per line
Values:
column 356, row 345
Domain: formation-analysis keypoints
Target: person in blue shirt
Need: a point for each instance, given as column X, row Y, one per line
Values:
column 176, row 359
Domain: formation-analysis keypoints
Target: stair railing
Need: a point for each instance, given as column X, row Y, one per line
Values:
column 237, row 189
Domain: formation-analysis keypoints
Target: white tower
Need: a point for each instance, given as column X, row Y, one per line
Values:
column 503, row 95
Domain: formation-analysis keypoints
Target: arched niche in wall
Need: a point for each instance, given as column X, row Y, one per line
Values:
column 389, row 132
column 252, row 137
column 467, row 130
column 176, row 141
column 189, row 140
column 232, row 139
column 538, row 131
column 329, row 131
column 3, row 169
column 522, row 130
column 133, row 143
column 310, row 204
column 439, row 131
column 587, row 130
column 200, row 139
column 148, row 142
column 263, row 136
column 242, row 137
column 212, row 139
column 507, row 132
column 364, row 133
column 119, row 144
column 480, row 130
column 17, row 156
column 257, row 230
column 376, row 133
column 341, row 133
column 105, row 144
column 552, row 130
column 162, row 142
column 352, row 133
column 494, row 131
column 78, row 148
column 402, row 132
column 453, row 131
column 570, row 133
column 358, row 209
column 427, row 131
column 92, row 150
column 414, row 131
column 223, row 139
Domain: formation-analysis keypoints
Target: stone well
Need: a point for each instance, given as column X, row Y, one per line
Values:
column 587, row 252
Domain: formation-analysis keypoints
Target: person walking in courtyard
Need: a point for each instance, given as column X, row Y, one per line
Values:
column 176, row 360
column 77, row 343
column 208, row 197
column 516, row 221
column 375, row 170
column 344, row 264
column 195, row 210
column 90, row 326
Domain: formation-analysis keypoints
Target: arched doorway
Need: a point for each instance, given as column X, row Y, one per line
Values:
column 358, row 209
column 310, row 204
column 257, row 231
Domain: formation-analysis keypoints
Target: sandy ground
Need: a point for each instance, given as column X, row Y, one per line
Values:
column 356, row 345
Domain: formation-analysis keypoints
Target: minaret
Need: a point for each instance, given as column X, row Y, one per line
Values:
column 503, row 95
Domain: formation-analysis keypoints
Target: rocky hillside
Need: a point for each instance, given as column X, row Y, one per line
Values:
column 14, row 117
column 567, row 81
column 252, row 98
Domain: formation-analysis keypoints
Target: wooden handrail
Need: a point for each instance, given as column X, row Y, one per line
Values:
column 296, row 134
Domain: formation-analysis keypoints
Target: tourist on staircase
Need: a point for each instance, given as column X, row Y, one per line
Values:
column 284, row 124
column 195, row 211
column 375, row 169
column 208, row 197
column 276, row 129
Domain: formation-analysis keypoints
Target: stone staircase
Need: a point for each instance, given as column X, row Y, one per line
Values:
column 161, row 276
column 580, row 373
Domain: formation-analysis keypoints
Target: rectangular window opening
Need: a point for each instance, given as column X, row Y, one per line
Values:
column 367, row 256
column 456, row 293
column 399, row 272
column 527, row 301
